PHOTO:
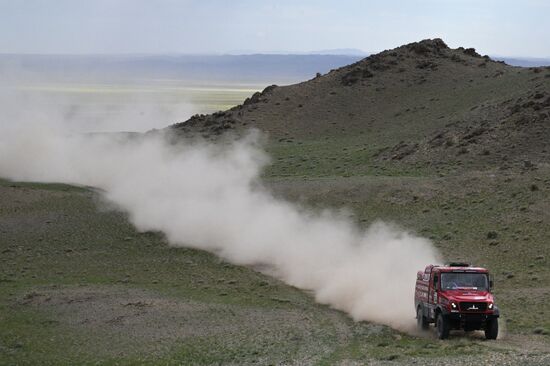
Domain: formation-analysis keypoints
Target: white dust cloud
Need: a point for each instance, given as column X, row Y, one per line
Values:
column 209, row 196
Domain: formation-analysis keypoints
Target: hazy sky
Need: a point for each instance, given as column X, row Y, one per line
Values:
column 496, row 27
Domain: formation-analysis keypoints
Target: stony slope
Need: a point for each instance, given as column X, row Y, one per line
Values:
column 423, row 103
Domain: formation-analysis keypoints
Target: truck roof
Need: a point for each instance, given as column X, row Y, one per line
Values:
column 454, row 267
column 460, row 269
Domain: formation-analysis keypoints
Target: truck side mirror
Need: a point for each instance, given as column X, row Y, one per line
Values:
column 419, row 275
column 491, row 284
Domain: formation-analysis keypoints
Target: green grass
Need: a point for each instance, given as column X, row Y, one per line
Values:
column 81, row 247
column 332, row 157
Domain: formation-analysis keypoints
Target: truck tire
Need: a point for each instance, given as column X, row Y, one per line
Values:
column 421, row 321
column 491, row 329
column 442, row 327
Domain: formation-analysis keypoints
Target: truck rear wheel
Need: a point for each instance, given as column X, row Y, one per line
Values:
column 421, row 321
column 491, row 329
column 442, row 327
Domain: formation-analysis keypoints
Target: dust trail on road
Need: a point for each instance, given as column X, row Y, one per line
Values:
column 209, row 196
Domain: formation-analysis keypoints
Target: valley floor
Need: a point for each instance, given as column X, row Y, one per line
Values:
column 79, row 285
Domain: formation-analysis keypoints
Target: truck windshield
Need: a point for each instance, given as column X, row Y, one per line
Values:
column 462, row 280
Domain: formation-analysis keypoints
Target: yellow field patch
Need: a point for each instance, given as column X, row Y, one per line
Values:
column 204, row 98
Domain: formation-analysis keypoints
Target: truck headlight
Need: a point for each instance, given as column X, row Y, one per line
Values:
column 453, row 305
column 490, row 306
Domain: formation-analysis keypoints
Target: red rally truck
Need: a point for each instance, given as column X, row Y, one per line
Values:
column 455, row 296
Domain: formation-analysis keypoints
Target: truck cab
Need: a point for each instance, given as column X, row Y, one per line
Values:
column 456, row 296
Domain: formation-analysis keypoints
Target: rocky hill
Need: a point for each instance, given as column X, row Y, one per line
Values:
column 422, row 103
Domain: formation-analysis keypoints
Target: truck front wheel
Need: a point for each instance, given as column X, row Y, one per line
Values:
column 442, row 326
column 491, row 329
column 421, row 321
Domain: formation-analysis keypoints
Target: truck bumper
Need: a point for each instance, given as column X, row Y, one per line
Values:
column 470, row 321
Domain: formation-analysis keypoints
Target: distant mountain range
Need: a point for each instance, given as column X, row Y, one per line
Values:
column 524, row 61
column 333, row 51
column 263, row 69
column 252, row 68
